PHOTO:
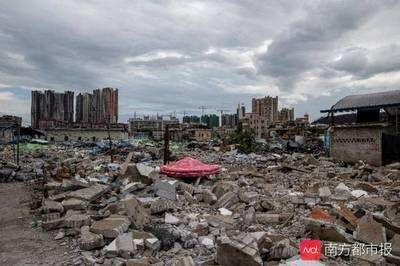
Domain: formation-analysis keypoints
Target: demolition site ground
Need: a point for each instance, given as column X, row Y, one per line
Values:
column 70, row 205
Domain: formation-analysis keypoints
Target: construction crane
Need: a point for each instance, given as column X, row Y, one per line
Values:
column 221, row 112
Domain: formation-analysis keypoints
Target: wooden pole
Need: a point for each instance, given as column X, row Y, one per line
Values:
column 109, row 139
column 166, row 144
column 18, row 137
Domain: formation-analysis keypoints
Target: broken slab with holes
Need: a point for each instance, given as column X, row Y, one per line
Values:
column 111, row 227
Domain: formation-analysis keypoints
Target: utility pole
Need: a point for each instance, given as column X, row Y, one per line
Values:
column 166, row 144
column 18, row 137
column 109, row 139
column 13, row 147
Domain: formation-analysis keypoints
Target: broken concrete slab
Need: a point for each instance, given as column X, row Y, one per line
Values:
column 51, row 206
column 341, row 190
column 366, row 187
column 326, row 231
column 91, row 193
column 223, row 187
column 76, row 220
column 171, row 219
column 53, row 224
column 124, row 166
column 227, row 200
column 111, row 251
column 111, row 227
column 136, row 213
column 224, row 212
column 166, row 189
column 88, row 240
column 209, row 197
column 234, row 253
column 369, row 259
column 283, row 250
column 370, row 231
column 138, row 262
column 125, row 246
column 395, row 242
column 131, row 187
column 74, row 204
column 161, row 205
column 269, row 218
column 324, row 192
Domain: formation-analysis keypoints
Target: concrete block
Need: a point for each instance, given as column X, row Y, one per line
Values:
column 111, row 227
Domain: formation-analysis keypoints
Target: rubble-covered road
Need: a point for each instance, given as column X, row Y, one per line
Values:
column 20, row 243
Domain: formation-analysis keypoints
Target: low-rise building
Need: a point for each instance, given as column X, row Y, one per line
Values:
column 85, row 134
column 373, row 138
column 8, row 127
column 150, row 126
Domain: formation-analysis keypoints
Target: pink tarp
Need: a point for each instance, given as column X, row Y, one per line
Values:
column 188, row 167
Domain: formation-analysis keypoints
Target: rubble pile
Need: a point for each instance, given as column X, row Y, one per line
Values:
column 254, row 212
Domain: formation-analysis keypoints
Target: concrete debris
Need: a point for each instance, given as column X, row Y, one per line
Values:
column 324, row 192
column 126, row 247
column 209, row 197
column 111, row 227
column 358, row 193
column 225, row 212
column 341, row 190
column 170, row 219
column 166, row 189
column 283, row 250
column 60, row 235
column 77, row 220
column 89, row 194
column 135, row 211
column 49, row 206
column 370, row 231
column 254, row 212
column 185, row 261
column 88, row 240
column 228, row 200
column 74, row 204
column 269, row 218
column 231, row 252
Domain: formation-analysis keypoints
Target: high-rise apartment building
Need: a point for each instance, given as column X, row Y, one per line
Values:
column 266, row 108
column 52, row 109
column 286, row 114
column 229, row 120
column 100, row 107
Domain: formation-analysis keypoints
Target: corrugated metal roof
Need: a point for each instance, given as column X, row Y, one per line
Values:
column 366, row 101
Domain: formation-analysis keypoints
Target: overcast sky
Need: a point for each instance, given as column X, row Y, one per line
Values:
column 167, row 56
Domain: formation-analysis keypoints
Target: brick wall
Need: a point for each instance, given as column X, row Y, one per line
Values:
column 351, row 144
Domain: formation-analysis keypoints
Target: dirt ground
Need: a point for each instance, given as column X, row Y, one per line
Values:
column 20, row 243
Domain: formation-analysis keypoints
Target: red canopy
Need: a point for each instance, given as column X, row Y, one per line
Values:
column 188, row 167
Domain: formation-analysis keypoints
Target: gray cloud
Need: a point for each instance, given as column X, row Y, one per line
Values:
column 306, row 43
column 364, row 63
column 169, row 56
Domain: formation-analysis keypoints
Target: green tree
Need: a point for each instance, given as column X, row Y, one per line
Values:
column 245, row 140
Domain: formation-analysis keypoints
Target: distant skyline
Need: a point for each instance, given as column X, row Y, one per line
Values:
column 167, row 56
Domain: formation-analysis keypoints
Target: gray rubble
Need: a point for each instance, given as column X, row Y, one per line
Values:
column 254, row 212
